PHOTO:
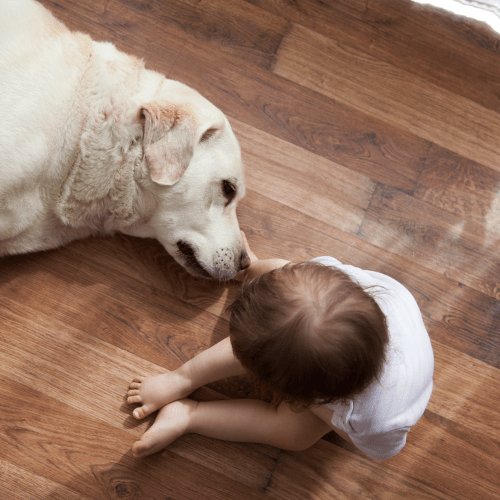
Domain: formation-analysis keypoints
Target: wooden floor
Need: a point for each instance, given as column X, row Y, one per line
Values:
column 370, row 132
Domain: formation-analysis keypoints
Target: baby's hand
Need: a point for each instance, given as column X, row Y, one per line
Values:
column 246, row 246
column 257, row 267
column 253, row 258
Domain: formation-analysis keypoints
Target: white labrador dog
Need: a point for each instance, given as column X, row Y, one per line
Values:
column 92, row 142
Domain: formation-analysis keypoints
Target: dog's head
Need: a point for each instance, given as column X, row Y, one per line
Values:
column 194, row 161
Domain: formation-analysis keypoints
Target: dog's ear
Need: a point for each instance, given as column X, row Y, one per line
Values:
column 170, row 133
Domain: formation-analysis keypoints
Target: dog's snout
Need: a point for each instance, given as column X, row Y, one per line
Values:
column 244, row 259
column 191, row 262
column 226, row 262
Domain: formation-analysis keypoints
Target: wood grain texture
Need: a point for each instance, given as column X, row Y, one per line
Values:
column 93, row 458
column 403, row 34
column 304, row 117
column 369, row 131
column 288, row 175
column 428, row 469
column 232, row 26
column 462, row 187
column 19, row 484
column 395, row 96
column 93, row 379
column 433, row 237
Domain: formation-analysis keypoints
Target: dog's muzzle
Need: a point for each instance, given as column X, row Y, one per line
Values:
column 187, row 252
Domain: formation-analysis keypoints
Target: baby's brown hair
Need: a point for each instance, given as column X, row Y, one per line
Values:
column 308, row 334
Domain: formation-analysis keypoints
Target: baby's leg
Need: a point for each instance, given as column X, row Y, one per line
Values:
column 170, row 424
column 243, row 420
column 211, row 365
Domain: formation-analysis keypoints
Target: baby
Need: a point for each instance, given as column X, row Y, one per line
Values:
column 328, row 347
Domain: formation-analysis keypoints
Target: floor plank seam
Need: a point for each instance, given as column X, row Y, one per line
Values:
column 283, row 38
column 359, row 231
column 270, row 478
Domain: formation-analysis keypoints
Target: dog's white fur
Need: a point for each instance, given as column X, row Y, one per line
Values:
column 92, row 142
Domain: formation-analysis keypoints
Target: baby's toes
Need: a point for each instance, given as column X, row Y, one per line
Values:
column 134, row 399
column 142, row 411
column 136, row 382
column 138, row 449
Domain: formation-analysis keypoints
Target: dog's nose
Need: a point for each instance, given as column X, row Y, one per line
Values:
column 244, row 259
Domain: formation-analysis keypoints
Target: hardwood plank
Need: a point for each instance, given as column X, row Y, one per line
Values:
column 466, row 33
column 176, row 330
column 464, row 188
column 303, row 117
column 290, row 175
column 322, row 472
column 426, row 468
column 466, row 394
column 75, row 9
column 158, row 45
column 394, row 96
column 352, row 6
column 93, row 458
column 231, row 26
column 433, row 237
column 458, row 55
column 333, row 19
column 20, row 484
column 88, row 369
column 145, row 264
column 432, row 458
column 314, row 10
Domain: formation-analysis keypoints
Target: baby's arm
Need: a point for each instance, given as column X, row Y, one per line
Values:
column 257, row 267
column 326, row 414
column 211, row 365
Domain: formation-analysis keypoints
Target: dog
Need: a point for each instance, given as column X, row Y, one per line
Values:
column 91, row 142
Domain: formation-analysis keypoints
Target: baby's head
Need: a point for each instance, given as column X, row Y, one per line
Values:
column 307, row 334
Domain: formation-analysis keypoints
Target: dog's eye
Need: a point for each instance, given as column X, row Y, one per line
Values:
column 229, row 190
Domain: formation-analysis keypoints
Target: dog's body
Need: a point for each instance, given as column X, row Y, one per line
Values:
column 92, row 142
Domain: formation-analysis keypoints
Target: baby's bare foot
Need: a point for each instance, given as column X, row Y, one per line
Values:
column 155, row 392
column 171, row 423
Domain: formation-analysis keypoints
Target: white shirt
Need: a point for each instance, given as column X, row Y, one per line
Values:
column 378, row 419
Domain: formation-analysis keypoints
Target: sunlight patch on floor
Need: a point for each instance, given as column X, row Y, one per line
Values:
column 492, row 221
